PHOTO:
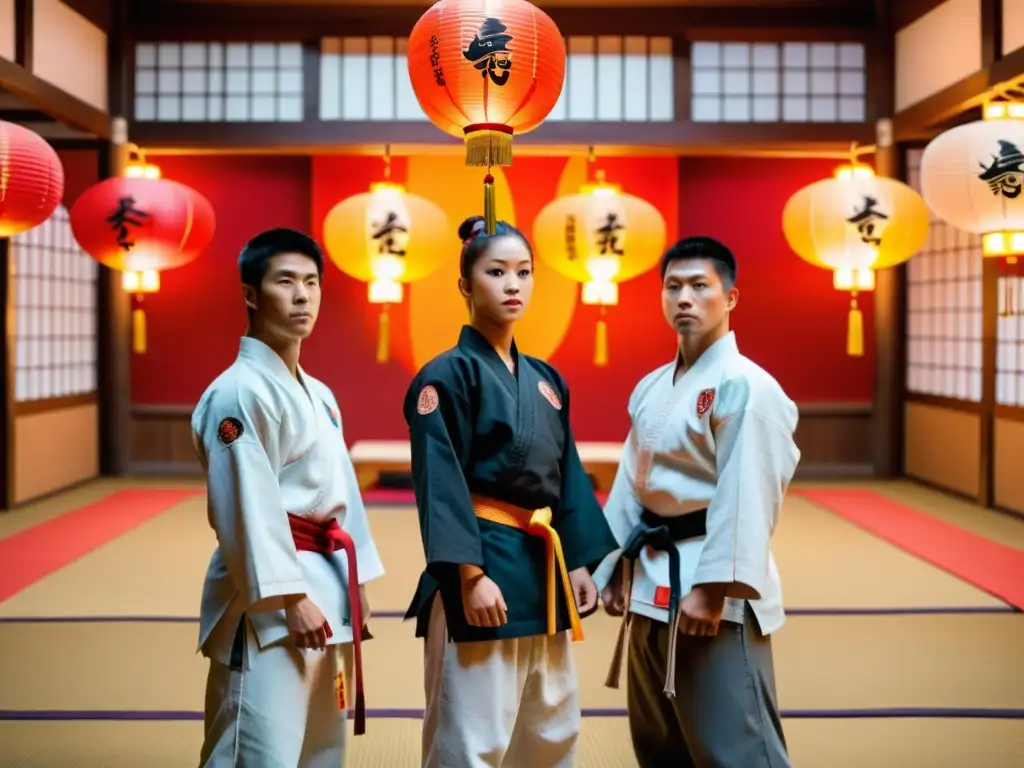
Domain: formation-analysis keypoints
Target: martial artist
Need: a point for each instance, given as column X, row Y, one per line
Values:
column 693, row 507
column 284, row 594
column 511, row 530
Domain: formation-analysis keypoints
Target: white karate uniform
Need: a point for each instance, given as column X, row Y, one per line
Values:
column 272, row 444
column 735, row 457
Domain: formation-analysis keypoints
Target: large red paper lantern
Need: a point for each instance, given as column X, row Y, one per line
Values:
column 486, row 70
column 31, row 179
column 141, row 227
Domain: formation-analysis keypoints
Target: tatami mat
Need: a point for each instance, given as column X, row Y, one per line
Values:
column 604, row 743
column 825, row 562
column 822, row 663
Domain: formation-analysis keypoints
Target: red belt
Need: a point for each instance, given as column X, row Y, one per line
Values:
column 326, row 538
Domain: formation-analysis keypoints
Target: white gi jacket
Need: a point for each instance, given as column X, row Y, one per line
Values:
column 271, row 444
column 721, row 438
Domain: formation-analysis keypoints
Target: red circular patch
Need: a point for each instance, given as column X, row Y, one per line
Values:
column 427, row 402
column 549, row 394
column 229, row 430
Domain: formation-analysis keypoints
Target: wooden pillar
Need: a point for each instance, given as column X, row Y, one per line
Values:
column 7, row 340
column 114, row 353
column 890, row 312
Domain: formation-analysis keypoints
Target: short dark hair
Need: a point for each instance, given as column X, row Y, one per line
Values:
column 257, row 253
column 475, row 241
column 701, row 247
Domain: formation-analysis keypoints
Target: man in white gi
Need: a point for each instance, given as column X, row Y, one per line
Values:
column 693, row 507
column 280, row 604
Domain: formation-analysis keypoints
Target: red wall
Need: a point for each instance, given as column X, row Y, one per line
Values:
column 789, row 319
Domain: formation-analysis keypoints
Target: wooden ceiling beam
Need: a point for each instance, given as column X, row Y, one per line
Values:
column 157, row 20
column 552, row 137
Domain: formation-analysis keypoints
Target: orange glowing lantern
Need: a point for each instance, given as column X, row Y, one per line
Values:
column 485, row 71
column 386, row 237
column 141, row 225
column 31, row 179
column 600, row 237
column 854, row 224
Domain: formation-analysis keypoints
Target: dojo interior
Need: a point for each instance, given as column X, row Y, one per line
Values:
column 901, row 543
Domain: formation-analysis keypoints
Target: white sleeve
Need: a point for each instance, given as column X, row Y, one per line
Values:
column 622, row 510
column 241, row 442
column 358, row 526
column 756, row 459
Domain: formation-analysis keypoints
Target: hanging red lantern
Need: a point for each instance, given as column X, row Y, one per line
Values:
column 142, row 226
column 31, row 179
column 485, row 71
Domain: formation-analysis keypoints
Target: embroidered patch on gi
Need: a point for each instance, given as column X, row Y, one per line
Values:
column 549, row 394
column 339, row 690
column 661, row 597
column 704, row 401
column 333, row 415
column 229, row 430
column 427, row 402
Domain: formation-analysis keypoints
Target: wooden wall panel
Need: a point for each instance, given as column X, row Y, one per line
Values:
column 1007, row 477
column 55, row 449
column 834, row 441
column 942, row 446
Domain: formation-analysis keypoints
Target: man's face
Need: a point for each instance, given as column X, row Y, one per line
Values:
column 693, row 298
column 288, row 300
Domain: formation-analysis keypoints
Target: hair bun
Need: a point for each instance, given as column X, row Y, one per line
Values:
column 471, row 227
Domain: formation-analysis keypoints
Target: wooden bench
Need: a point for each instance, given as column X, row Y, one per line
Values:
column 373, row 457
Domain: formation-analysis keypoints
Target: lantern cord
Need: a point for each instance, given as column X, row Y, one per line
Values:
column 855, row 329
column 601, row 341
column 490, row 214
column 384, row 335
column 387, row 161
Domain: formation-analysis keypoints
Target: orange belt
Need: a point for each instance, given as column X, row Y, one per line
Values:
column 536, row 523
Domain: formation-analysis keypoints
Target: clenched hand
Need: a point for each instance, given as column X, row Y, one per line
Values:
column 482, row 602
column 701, row 610
column 584, row 590
column 307, row 624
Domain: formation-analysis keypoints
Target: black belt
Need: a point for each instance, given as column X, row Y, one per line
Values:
column 660, row 534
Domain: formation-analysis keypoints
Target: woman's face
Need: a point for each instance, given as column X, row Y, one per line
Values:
column 501, row 281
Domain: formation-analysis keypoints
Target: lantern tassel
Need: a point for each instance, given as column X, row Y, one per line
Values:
column 488, row 144
column 601, row 343
column 490, row 214
column 855, row 331
column 139, row 331
column 384, row 335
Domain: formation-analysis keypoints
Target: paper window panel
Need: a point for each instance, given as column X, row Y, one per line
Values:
column 55, row 285
column 944, row 316
column 211, row 82
column 738, row 82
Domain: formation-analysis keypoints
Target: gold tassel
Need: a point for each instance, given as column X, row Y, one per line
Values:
column 490, row 212
column 139, row 331
column 601, row 343
column 855, row 331
column 383, row 335
column 488, row 145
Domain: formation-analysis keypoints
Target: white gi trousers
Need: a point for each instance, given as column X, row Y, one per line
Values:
column 279, row 708
column 499, row 704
